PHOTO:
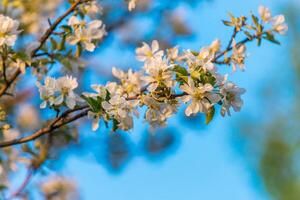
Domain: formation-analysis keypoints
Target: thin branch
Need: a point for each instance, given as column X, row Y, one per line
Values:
column 58, row 122
column 53, row 26
column 18, row 192
column 232, row 38
column 62, row 120
column 244, row 41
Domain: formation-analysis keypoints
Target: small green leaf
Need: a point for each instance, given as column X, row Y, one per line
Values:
column 259, row 41
column 67, row 29
column 53, row 44
column 227, row 23
column 210, row 115
column 181, row 74
column 2, row 187
column 95, row 104
column 248, row 34
column 78, row 50
column 115, row 124
column 255, row 20
column 62, row 44
column 207, row 78
column 270, row 37
column 66, row 62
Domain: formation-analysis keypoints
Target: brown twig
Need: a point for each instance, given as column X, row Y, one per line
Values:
column 232, row 38
column 58, row 122
column 18, row 192
column 4, row 68
column 228, row 49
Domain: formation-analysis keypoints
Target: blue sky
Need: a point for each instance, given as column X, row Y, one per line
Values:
column 206, row 165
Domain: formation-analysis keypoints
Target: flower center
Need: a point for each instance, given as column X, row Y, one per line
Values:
column 65, row 90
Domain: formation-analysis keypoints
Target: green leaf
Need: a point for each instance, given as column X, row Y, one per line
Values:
column 53, row 44
column 207, row 78
column 2, row 187
column 181, row 74
column 270, row 37
column 255, row 20
column 62, row 44
column 259, row 41
column 22, row 55
column 66, row 62
column 248, row 34
column 210, row 115
column 95, row 104
column 67, row 29
column 227, row 23
column 78, row 50
column 250, row 27
column 115, row 124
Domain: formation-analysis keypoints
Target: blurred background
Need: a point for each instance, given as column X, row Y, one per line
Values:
column 252, row 155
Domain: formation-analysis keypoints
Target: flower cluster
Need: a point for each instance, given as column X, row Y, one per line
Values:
column 164, row 72
column 168, row 78
column 58, row 92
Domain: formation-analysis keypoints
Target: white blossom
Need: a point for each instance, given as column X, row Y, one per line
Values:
column 92, row 8
column 100, row 89
column 131, row 81
column 120, row 109
column 65, row 86
column 147, row 54
column 231, row 98
column 59, row 91
column 86, row 34
column 278, row 24
column 201, row 96
column 158, row 112
column 264, row 13
column 96, row 118
column 159, row 74
column 47, row 91
column 8, row 31
column 203, row 59
column 172, row 53
column 132, row 4
column 215, row 45
column 238, row 55
column 74, row 21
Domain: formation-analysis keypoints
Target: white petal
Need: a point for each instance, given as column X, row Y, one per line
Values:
column 70, row 102
column 89, row 46
column 154, row 46
column 58, row 100
column 95, row 124
column 43, row 104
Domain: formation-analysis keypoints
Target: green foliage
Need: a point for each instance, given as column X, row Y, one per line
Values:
column 210, row 115
column 181, row 74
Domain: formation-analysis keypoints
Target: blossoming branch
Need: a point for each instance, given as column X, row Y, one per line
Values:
column 168, row 79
